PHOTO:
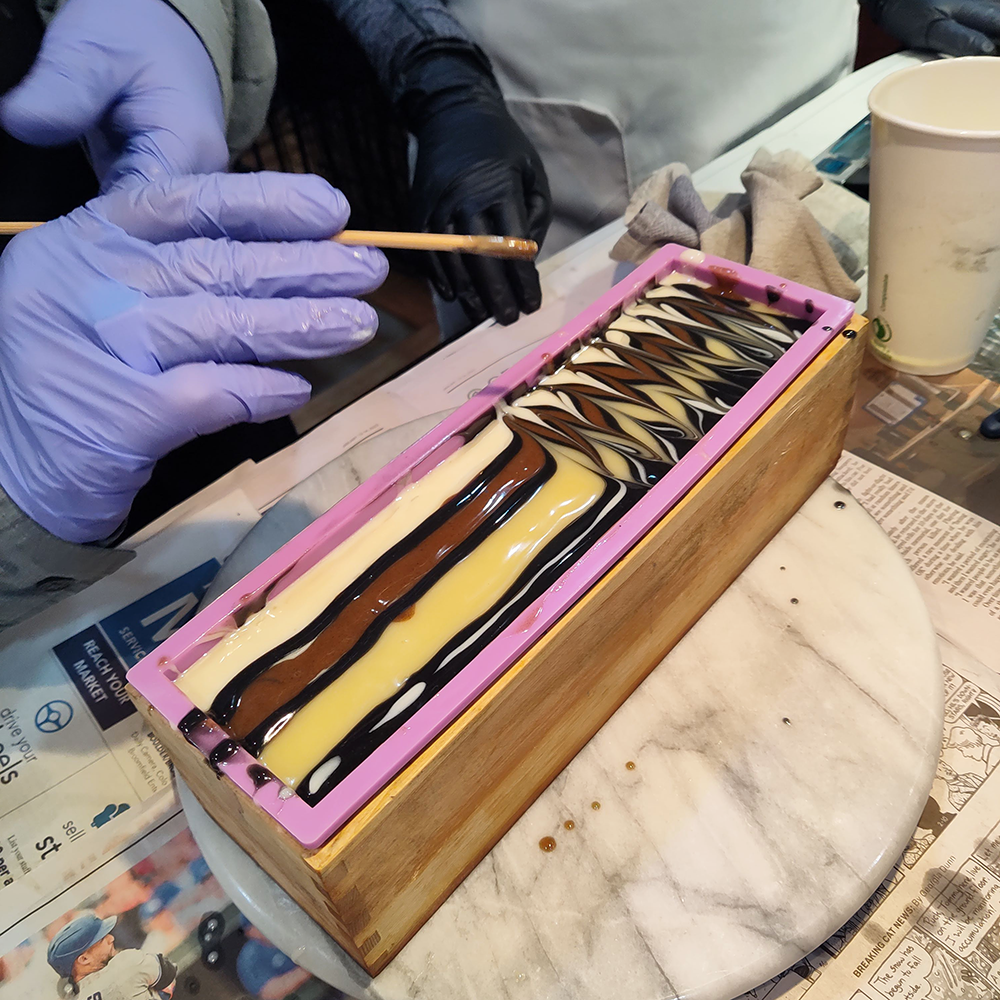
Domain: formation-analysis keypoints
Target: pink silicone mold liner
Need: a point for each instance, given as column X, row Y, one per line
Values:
column 313, row 825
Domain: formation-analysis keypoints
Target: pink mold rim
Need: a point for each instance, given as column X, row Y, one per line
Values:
column 312, row 826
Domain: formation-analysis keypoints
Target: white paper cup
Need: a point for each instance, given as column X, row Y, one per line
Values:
column 934, row 262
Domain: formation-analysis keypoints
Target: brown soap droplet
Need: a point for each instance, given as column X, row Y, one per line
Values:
column 781, row 567
column 407, row 613
column 840, row 505
column 630, row 764
column 595, row 805
column 547, row 844
column 726, row 279
column 163, row 661
column 569, row 824
column 787, row 721
column 795, row 600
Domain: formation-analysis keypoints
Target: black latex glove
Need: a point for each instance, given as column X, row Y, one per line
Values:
column 476, row 173
column 953, row 27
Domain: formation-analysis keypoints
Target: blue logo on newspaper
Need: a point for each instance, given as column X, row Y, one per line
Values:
column 53, row 716
column 97, row 658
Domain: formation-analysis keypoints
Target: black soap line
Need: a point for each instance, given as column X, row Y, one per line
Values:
column 190, row 723
column 258, row 737
column 546, row 568
column 228, row 699
column 698, row 332
column 260, row 776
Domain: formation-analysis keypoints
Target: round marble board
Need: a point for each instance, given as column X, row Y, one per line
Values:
column 732, row 814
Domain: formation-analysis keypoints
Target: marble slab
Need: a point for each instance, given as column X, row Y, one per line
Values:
column 736, row 810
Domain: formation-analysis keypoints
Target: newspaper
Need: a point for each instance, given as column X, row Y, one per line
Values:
column 174, row 933
column 92, row 836
column 81, row 777
column 932, row 929
column 953, row 553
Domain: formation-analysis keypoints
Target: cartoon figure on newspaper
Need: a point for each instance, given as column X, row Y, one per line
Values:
column 970, row 753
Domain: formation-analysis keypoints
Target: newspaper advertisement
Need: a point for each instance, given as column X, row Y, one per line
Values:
column 932, row 929
column 103, row 892
column 81, row 776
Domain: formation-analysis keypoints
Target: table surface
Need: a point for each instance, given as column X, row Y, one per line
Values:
column 752, row 824
column 749, row 827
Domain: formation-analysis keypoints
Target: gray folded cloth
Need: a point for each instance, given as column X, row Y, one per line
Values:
column 771, row 227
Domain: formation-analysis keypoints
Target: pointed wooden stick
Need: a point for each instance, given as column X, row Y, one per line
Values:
column 488, row 246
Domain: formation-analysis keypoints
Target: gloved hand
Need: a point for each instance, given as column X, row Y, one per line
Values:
column 953, row 27
column 133, row 324
column 476, row 173
column 134, row 79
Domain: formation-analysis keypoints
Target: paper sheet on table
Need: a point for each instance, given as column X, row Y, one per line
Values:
column 81, row 777
column 170, row 912
column 932, row 930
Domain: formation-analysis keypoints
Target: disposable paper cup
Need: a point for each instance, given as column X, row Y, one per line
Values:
column 934, row 263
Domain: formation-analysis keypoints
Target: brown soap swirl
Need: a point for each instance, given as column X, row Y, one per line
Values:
column 283, row 681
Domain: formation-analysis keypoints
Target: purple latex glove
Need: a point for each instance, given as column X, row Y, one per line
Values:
column 954, row 27
column 132, row 325
column 134, row 79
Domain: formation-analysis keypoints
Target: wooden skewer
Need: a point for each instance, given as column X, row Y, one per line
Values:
column 485, row 246
column 488, row 246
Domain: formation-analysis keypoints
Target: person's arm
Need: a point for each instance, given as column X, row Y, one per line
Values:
column 952, row 27
column 37, row 569
column 237, row 36
column 138, row 971
column 156, row 88
column 476, row 171
column 282, row 986
column 396, row 35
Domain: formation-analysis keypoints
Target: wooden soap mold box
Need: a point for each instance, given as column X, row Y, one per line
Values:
column 374, row 859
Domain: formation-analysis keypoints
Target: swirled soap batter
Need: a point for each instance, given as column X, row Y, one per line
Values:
column 338, row 661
